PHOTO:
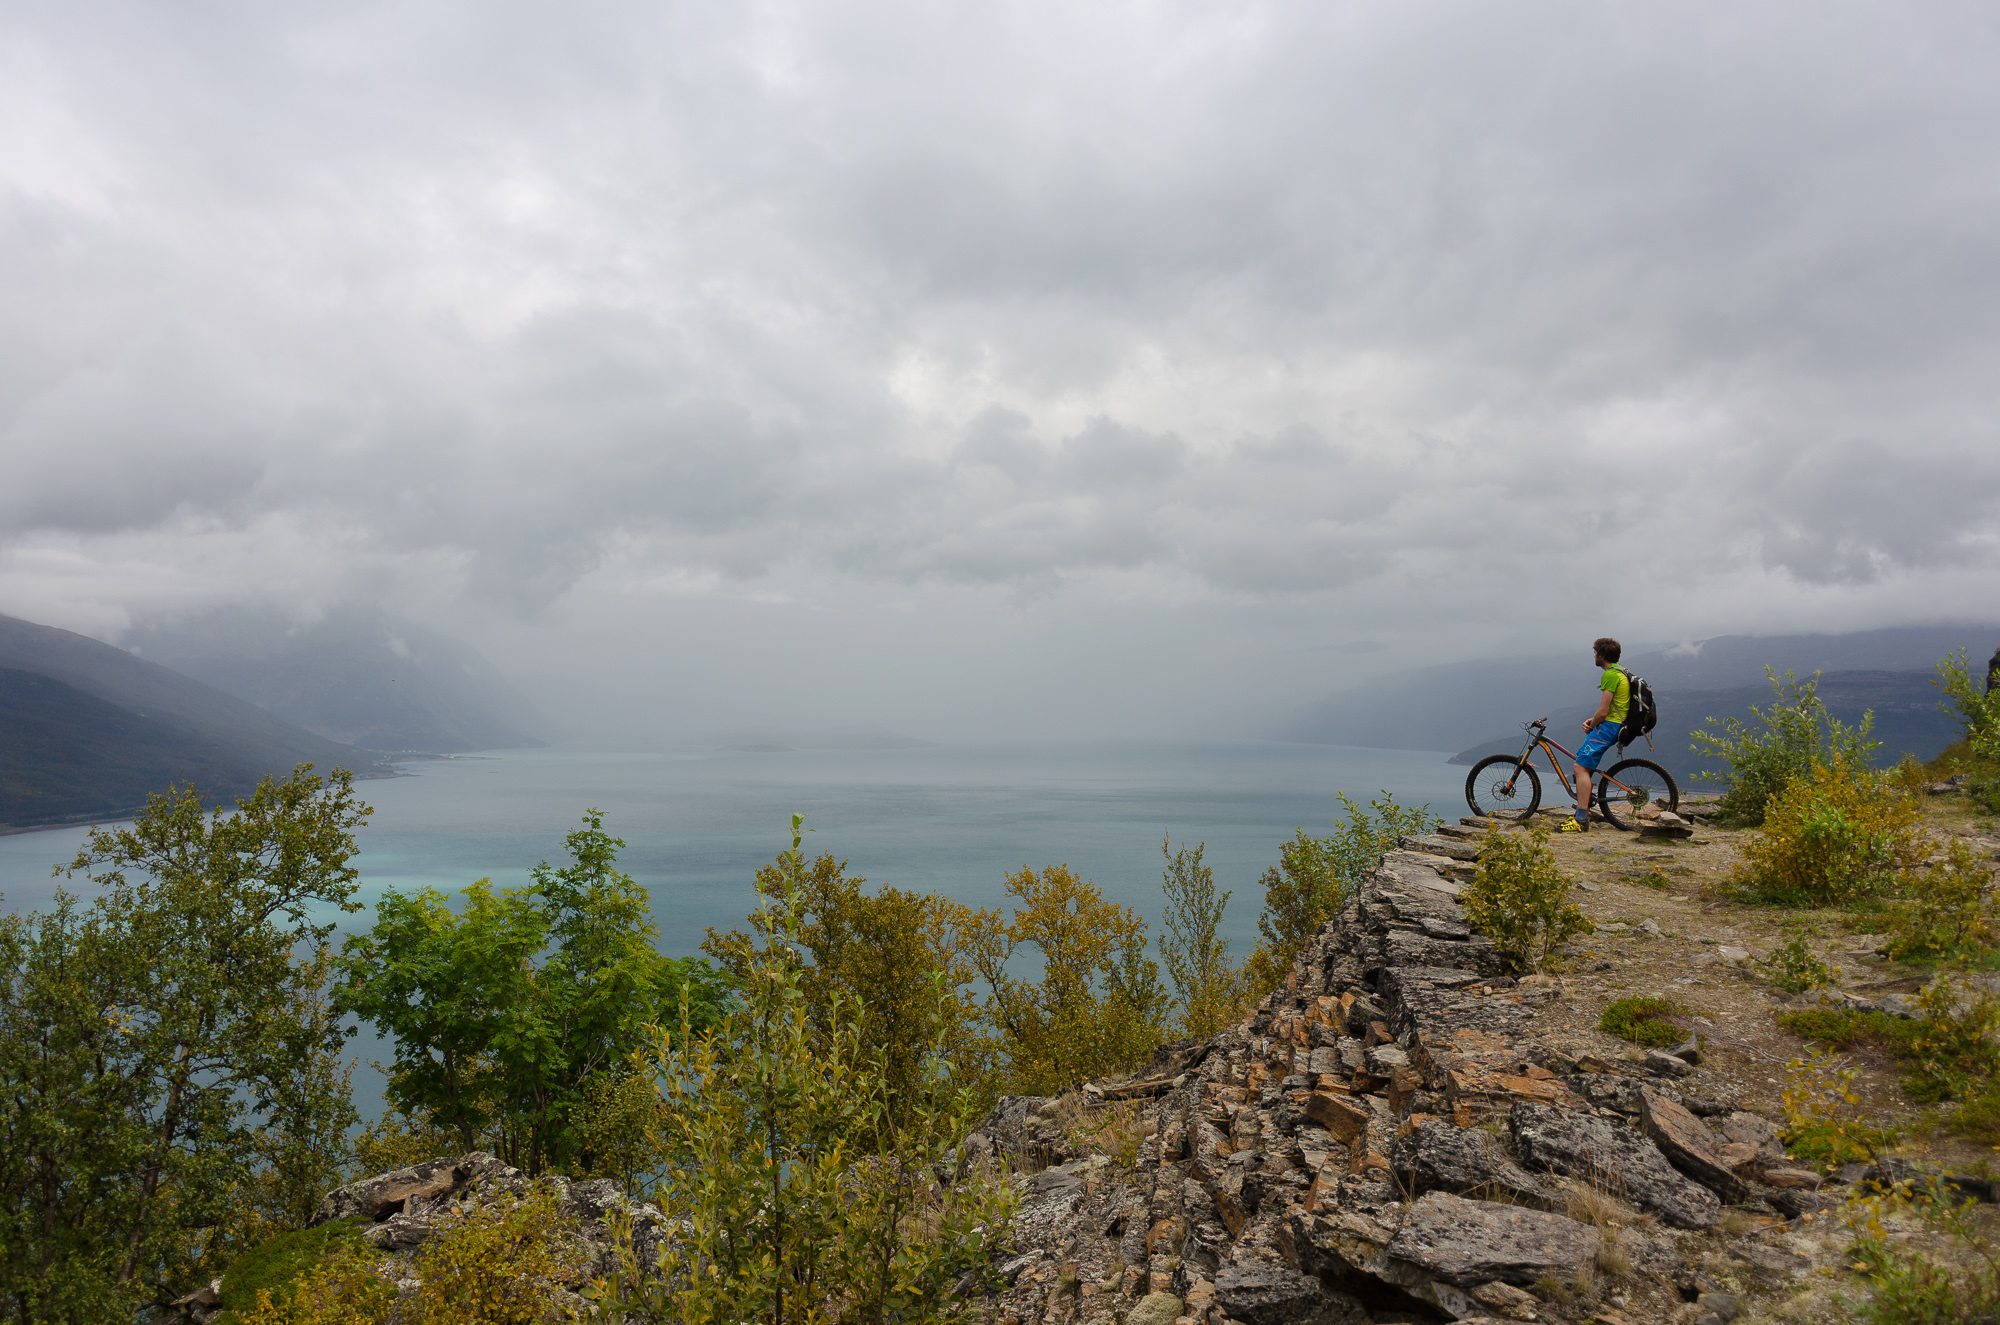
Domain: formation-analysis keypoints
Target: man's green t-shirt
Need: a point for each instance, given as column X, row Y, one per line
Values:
column 1620, row 687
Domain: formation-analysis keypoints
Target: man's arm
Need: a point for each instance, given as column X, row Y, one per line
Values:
column 1603, row 712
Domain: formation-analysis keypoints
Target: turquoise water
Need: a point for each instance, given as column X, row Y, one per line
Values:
column 951, row 819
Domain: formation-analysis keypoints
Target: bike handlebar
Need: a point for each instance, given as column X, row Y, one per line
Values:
column 1538, row 722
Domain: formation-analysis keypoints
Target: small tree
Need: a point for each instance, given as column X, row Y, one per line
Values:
column 1520, row 900
column 505, row 1012
column 1098, row 1006
column 883, row 953
column 1209, row 985
column 1967, row 701
column 1762, row 760
column 171, row 1084
column 786, row 1207
column 1315, row 877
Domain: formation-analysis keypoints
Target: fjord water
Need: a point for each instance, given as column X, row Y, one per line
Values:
column 952, row 819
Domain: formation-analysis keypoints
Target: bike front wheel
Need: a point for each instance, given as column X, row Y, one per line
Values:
column 1502, row 787
column 1625, row 789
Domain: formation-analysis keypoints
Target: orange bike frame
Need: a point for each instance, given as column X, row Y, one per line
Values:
column 1549, row 747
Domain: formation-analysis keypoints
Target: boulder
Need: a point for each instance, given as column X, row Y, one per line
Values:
column 1597, row 1150
column 1752, row 1130
column 1267, row 1294
column 1439, row 1156
column 1667, row 1065
column 1688, row 1145
column 1338, row 1115
column 1467, row 1243
column 391, row 1193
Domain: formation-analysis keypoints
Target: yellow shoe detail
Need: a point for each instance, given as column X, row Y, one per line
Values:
column 1571, row 826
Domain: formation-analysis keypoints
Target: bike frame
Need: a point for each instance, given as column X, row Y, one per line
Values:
column 1540, row 741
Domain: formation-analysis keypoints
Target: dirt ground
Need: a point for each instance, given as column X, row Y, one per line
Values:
column 1683, row 888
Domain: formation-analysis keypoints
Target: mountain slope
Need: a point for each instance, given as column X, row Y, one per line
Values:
column 66, row 755
column 355, row 675
column 173, row 728
column 153, row 691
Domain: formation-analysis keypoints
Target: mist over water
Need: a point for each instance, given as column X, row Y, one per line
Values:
column 955, row 819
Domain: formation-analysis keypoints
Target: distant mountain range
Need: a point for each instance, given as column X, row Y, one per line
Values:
column 1476, row 707
column 356, row 676
column 87, row 730
column 218, row 701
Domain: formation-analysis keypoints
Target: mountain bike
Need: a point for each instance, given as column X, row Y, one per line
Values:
column 1507, row 786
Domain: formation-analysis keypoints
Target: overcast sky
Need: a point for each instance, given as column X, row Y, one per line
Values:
column 1001, row 367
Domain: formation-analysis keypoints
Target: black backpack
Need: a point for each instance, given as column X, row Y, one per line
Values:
column 1641, row 713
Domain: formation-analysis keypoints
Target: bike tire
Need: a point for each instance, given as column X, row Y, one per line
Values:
column 1648, row 782
column 1494, row 788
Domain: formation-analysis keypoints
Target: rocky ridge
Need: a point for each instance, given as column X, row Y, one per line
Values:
column 1387, row 1138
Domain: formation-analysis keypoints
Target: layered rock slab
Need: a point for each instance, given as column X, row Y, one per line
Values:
column 1439, row 1156
column 1612, row 1156
column 1466, row 1243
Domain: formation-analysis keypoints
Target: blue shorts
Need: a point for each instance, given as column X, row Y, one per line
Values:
column 1594, row 745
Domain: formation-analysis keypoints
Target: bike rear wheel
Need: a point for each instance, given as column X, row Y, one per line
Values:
column 1495, row 788
column 1645, row 783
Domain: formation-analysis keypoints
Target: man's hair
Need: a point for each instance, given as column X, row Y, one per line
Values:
column 1607, row 649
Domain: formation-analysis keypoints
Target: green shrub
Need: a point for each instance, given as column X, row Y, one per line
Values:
column 492, row 1264
column 1645, row 1021
column 1796, row 731
column 1837, row 836
column 1966, row 700
column 1314, row 878
column 1836, row 1028
column 1921, row 1287
column 276, row 1267
column 496, row 1264
column 1949, row 1051
column 1520, row 900
column 1913, row 1289
column 1842, row 1028
column 1941, row 912
column 341, row 1288
column 1978, row 1117
column 1794, row 968
column 1824, row 1124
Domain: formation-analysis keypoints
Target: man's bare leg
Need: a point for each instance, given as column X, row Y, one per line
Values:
column 1582, row 794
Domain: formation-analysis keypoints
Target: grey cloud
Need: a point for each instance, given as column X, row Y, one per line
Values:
column 1855, row 511
column 1278, row 304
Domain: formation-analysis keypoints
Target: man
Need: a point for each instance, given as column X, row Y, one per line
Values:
column 1600, row 728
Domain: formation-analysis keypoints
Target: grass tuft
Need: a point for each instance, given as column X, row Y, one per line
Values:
column 1645, row 1021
